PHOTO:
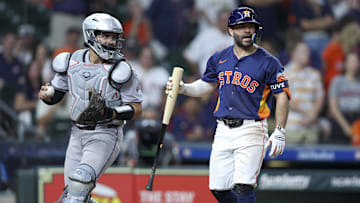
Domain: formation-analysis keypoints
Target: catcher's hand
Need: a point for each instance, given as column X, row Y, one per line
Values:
column 96, row 112
column 277, row 141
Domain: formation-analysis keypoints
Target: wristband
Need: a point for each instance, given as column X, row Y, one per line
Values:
column 58, row 95
column 125, row 112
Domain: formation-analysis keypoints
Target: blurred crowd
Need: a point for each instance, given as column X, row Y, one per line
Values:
column 317, row 41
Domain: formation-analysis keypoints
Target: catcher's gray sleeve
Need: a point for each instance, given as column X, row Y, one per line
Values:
column 131, row 91
column 60, row 82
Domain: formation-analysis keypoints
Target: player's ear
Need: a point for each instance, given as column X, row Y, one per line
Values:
column 230, row 31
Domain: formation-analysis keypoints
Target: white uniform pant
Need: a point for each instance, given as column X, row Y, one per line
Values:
column 237, row 154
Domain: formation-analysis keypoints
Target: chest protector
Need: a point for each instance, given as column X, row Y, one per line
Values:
column 82, row 75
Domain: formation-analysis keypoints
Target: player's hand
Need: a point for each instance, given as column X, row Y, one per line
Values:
column 42, row 93
column 277, row 142
column 169, row 86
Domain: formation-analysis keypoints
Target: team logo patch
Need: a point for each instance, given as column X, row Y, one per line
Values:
column 115, row 96
column 86, row 75
column 280, row 76
column 222, row 61
column 247, row 14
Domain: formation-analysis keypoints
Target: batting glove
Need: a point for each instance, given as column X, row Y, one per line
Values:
column 277, row 141
column 169, row 86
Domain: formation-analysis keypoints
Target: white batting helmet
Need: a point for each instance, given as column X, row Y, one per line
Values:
column 98, row 23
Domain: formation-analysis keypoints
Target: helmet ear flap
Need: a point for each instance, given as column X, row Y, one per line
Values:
column 257, row 36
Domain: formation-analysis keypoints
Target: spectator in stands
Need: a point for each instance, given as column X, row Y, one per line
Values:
column 152, row 77
column 72, row 38
column 293, row 36
column 186, row 124
column 64, row 14
column 11, row 74
column 208, row 12
column 307, row 98
column 341, row 8
column 355, row 9
column 25, row 45
column 11, row 71
column 344, row 99
column 345, row 38
column 333, row 56
column 170, row 22
column 314, row 18
column 26, row 95
column 116, row 8
column 138, row 27
column 44, row 62
column 207, row 42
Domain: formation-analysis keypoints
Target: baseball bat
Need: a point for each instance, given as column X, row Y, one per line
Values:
column 169, row 108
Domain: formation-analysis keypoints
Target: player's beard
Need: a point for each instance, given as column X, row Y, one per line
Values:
column 243, row 45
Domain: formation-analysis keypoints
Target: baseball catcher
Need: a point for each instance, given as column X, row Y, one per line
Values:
column 105, row 93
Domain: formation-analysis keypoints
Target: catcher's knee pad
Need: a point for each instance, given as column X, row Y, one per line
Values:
column 82, row 181
column 224, row 196
column 243, row 188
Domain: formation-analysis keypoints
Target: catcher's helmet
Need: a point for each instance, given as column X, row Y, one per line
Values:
column 98, row 23
column 243, row 15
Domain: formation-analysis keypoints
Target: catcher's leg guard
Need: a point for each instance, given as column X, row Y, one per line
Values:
column 225, row 196
column 246, row 193
column 82, row 181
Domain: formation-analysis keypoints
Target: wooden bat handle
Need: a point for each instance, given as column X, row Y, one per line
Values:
column 172, row 95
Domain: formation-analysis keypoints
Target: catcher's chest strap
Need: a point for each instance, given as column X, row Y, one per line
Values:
column 92, row 127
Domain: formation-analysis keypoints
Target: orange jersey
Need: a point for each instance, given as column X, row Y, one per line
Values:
column 333, row 57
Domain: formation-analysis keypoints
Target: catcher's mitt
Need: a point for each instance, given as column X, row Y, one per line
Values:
column 96, row 112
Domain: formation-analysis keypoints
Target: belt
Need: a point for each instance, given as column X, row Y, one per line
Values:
column 234, row 123
column 93, row 126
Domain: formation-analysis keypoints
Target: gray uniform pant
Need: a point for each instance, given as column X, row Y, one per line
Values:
column 97, row 148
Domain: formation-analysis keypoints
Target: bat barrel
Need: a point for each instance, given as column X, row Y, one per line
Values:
column 172, row 95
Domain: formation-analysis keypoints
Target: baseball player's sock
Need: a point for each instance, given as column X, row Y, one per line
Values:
column 225, row 196
column 247, row 197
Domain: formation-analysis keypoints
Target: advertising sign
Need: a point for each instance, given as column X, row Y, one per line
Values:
column 125, row 185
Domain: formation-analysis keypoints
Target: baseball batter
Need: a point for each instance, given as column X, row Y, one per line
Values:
column 248, row 77
column 105, row 93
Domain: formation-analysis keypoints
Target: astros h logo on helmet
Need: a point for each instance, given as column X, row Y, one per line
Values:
column 247, row 13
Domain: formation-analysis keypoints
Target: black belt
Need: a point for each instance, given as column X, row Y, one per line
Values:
column 93, row 126
column 233, row 123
